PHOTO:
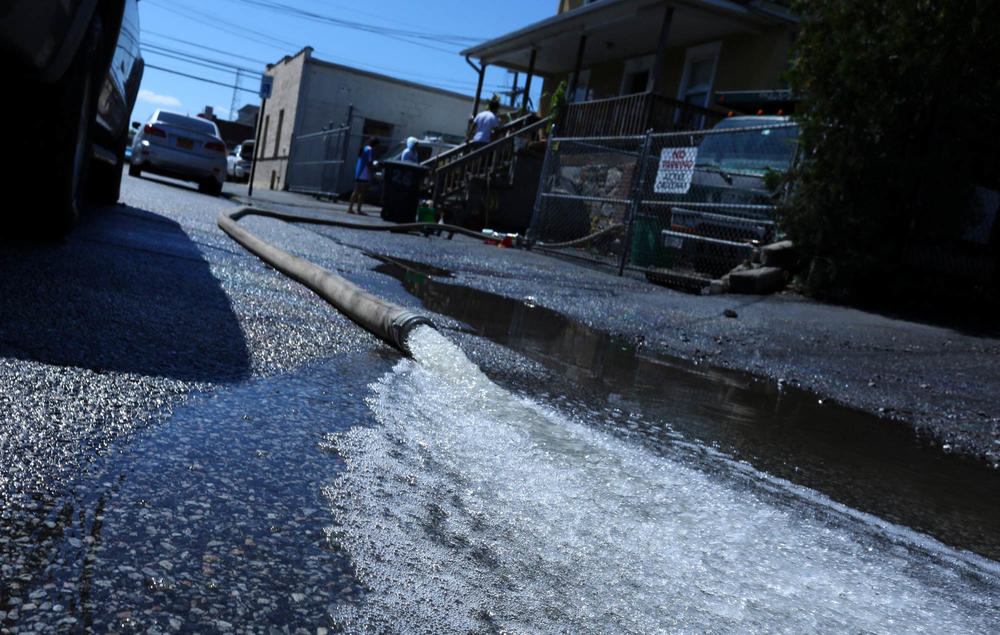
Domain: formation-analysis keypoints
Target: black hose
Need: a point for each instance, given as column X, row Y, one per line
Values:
column 402, row 228
column 582, row 240
column 383, row 319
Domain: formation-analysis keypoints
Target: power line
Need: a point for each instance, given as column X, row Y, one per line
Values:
column 228, row 27
column 200, row 79
column 202, row 61
column 457, row 40
column 201, row 46
column 247, row 33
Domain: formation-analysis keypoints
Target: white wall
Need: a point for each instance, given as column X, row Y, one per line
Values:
column 411, row 109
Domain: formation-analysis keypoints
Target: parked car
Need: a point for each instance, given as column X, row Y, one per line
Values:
column 240, row 161
column 73, row 73
column 731, row 203
column 181, row 147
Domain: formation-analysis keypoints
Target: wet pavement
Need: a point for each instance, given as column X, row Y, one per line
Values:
column 940, row 381
column 192, row 442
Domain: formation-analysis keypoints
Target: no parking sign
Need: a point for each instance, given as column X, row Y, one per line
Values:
column 675, row 170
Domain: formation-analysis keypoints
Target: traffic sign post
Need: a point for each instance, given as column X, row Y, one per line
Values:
column 266, row 84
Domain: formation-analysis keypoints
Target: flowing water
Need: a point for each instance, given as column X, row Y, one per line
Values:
column 466, row 508
column 586, row 489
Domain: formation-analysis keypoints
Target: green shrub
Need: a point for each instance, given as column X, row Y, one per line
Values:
column 898, row 123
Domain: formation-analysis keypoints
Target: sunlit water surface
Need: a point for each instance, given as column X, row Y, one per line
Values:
column 468, row 508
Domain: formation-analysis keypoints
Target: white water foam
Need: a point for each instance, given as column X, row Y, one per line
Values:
column 470, row 509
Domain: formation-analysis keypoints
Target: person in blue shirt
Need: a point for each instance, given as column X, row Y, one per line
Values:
column 363, row 175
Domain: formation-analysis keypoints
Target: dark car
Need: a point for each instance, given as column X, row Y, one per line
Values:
column 74, row 68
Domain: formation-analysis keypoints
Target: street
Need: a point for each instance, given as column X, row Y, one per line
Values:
column 193, row 442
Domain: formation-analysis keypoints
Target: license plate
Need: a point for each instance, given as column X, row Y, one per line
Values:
column 673, row 241
column 187, row 144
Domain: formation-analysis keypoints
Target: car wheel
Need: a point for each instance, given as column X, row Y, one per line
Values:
column 134, row 169
column 68, row 108
column 211, row 187
column 105, row 181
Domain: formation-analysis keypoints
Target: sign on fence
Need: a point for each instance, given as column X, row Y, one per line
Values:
column 675, row 170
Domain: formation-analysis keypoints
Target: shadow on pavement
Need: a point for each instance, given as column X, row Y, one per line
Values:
column 127, row 291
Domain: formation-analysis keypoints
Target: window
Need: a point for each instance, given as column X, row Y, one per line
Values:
column 277, row 132
column 699, row 74
column 636, row 75
column 582, row 93
column 376, row 128
column 263, row 137
column 697, row 80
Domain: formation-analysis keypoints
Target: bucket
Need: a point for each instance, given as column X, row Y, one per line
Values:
column 647, row 245
column 425, row 214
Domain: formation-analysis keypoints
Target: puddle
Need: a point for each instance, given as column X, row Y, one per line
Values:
column 866, row 463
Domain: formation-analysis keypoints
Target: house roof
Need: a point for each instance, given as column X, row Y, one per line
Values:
column 620, row 29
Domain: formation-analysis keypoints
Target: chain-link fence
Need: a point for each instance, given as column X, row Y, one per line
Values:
column 694, row 203
column 318, row 162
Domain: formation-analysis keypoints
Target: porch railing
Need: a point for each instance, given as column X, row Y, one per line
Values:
column 455, row 153
column 634, row 114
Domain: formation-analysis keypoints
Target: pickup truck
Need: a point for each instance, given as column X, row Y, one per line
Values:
column 728, row 207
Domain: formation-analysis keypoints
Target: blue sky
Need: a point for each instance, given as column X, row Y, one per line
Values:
column 414, row 40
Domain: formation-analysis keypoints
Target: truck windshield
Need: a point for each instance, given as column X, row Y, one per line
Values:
column 753, row 150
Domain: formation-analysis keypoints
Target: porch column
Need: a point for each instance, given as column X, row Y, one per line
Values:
column 479, row 87
column 661, row 49
column 527, row 84
column 576, row 69
column 661, row 52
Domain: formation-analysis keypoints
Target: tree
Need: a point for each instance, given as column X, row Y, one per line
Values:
column 898, row 123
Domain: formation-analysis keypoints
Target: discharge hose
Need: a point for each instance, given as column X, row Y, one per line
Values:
column 390, row 322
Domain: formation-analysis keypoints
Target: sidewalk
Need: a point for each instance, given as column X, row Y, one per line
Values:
column 281, row 200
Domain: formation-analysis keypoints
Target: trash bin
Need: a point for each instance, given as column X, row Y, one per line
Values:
column 647, row 245
column 402, row 181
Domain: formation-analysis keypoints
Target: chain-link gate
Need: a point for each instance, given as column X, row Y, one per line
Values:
column 318, row 162
column 693, row 203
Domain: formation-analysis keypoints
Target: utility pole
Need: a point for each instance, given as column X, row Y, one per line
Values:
column 232, row 106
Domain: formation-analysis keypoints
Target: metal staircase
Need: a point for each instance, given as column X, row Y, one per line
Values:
column 451, row 172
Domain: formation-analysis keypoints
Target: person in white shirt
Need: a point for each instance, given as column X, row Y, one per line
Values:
column 410, row 153
column 485, row 123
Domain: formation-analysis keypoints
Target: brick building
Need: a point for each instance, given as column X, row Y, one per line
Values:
column 311, row 95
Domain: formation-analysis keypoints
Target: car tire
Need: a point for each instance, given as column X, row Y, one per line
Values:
column 67, row 108
column 213, row 187
column 105, row 182
column 134, row 170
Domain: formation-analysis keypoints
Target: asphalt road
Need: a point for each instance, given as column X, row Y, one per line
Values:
column 940, row 380
column 148, row 306
column 148, row 301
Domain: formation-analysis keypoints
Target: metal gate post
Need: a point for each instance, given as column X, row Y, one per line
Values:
column 638, row 191
column 345, row 140
column 551, row 147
